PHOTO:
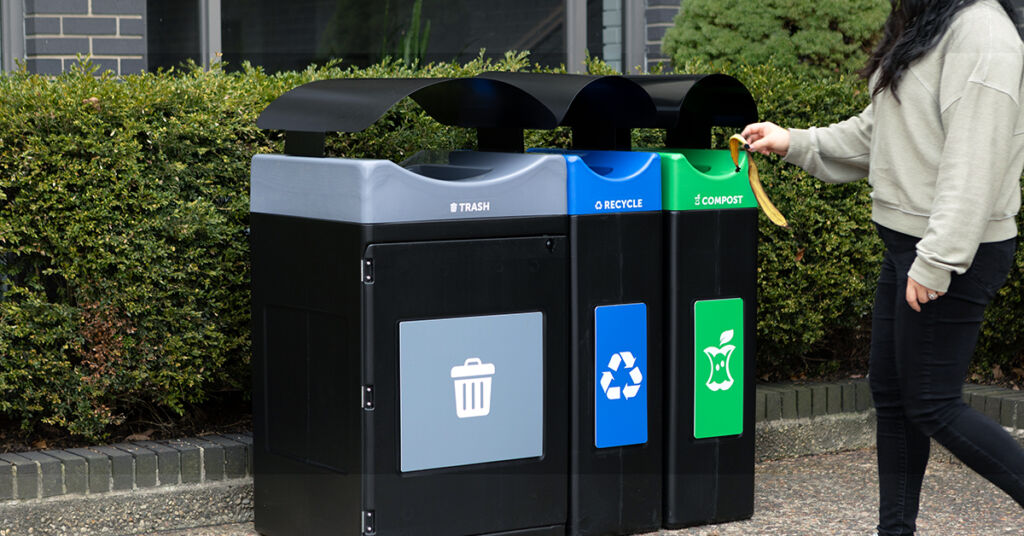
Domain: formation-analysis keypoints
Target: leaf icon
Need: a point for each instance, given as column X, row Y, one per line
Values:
column 726, row 337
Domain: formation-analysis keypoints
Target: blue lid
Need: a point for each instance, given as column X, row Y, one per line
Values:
column 602, row 182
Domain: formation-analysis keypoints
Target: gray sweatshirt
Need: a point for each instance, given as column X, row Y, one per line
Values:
column 944, row 161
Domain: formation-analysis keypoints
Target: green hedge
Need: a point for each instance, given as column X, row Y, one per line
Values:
column 831, row 36
column 123, row 249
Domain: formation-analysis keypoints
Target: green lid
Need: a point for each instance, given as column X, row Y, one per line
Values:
column 704, row 179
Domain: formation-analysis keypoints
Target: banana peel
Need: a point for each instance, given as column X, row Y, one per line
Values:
column 763, row 201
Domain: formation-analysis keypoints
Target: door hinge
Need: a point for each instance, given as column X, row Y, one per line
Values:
column 367, row 397
column 366, row 270
column 369, row 522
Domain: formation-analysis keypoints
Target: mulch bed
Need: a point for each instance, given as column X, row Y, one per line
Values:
column 224, row 413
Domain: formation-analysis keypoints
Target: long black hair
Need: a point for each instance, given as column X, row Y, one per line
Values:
column 912, row 29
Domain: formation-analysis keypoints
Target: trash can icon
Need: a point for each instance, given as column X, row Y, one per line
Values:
column 473, row 388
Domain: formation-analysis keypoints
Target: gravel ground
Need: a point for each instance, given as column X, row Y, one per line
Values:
column 834, row 494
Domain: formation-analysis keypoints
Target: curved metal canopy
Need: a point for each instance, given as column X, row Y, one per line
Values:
column 600, row 109
column 689, row 105
column 353, row 104
column 577, row 100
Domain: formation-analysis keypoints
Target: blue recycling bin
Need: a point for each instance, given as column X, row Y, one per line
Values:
column 616, row 365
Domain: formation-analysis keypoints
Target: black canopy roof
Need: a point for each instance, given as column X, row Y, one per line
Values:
column 600, row 109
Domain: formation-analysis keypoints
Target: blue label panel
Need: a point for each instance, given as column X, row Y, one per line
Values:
column 620, row 375
column 600, row 182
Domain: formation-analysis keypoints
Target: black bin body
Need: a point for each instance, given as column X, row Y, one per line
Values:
column 616, row 282
column 711, row 268
column 359, row 326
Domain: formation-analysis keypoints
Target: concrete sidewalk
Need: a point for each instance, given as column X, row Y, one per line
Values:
column 834, row 494
column 803, row 487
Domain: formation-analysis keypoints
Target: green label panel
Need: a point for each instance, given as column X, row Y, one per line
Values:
column 718, row 368
column 704, row 179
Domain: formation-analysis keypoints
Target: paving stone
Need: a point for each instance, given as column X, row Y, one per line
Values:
column 1008, row 412
column 76, row 471
column 122, row 467
column 849, row 397
column 191, row 460
column 863, row 397
column 819, row 400
column 168, row 462
column 759, row 409
column 51, row 475
column 234, row 455
column 245, row 439
column 803, row 401
column 833, row 398
column 979, row 395
column 6, row 481
column 212, row 456
column 98, row 467
column 145, row 464
column 993, row 406
column 772, row 405
column 788, row 403
column 1011, row 409
column 978, row 401
column 26, row 476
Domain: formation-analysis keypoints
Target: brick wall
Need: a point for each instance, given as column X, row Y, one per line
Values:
column 660, row 15
column 113, row 32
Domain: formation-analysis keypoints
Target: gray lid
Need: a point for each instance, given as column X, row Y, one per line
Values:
column 472, row 185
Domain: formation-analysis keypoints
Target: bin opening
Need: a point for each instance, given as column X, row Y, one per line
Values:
column 447, row 172
column 713, row 163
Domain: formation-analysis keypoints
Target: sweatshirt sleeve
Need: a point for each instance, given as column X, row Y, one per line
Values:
column 837, row 153
column 974, row 164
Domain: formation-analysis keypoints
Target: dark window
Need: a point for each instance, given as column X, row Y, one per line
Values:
column 291, row 35
column 173, row 32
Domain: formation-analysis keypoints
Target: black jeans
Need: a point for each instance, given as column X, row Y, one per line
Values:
column 918, row 364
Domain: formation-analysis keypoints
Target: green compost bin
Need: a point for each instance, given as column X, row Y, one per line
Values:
column 711, row 251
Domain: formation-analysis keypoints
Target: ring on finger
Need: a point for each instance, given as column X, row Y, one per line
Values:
column 933, row 296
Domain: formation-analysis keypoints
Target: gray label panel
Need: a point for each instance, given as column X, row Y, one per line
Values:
column 471, row 390
column 379, row 191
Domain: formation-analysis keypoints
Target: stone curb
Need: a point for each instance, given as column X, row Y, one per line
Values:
column 140, row 486
column 805, row 401
column 124, row 466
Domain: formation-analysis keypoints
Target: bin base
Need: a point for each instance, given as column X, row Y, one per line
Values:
column 553, row 530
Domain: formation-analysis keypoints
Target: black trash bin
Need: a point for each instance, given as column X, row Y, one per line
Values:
column 409, row 329
column 711, row 311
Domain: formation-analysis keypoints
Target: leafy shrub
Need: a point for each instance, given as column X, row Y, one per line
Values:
column 123, row 213
column 124, row 258
column 821, row 35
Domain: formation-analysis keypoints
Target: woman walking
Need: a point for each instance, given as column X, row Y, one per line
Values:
column 942, row 144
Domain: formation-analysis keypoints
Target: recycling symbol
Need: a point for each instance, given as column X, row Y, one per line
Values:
column 597, row 205
column 615, row 392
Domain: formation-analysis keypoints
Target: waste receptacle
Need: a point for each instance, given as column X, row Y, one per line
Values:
column 616, row 274
column 411, row 325
column 409, row 334
column 711, row 226
column 711, row 288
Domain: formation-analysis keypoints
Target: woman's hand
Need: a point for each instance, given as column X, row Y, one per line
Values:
column 766, row 138
column 918, row 294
